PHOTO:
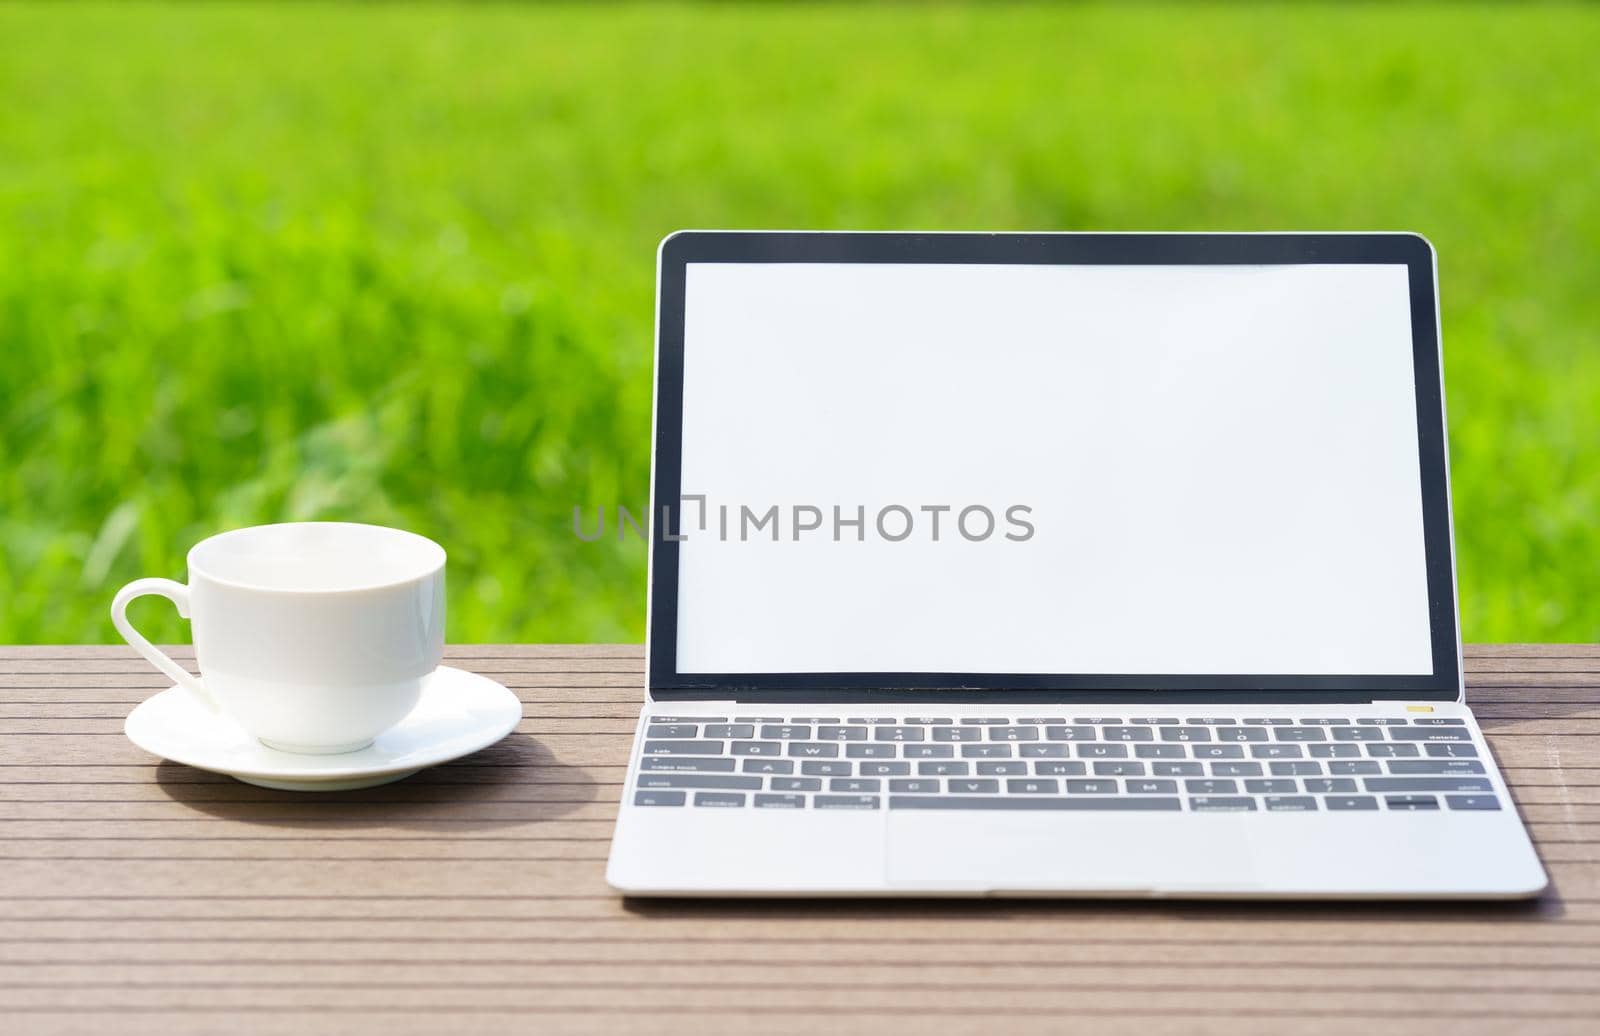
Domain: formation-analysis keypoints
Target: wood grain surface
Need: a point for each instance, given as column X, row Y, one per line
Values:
column 143, row 896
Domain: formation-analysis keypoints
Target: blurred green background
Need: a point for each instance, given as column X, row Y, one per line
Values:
column 395, row 264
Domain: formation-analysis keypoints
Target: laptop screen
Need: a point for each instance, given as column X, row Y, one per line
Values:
column 1049, row 469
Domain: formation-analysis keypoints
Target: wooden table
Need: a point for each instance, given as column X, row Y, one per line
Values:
column 143, row 896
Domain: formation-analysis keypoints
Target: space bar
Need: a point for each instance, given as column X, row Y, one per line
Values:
column 1119, row 802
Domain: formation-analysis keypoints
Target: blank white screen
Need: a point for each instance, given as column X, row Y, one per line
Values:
column 1220, row 462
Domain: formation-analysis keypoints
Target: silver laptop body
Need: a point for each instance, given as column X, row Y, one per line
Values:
column 1055, row 564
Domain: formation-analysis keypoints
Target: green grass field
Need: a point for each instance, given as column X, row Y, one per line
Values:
column 266, row 262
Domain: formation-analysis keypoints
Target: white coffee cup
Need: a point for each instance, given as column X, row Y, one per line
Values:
column 314, row 636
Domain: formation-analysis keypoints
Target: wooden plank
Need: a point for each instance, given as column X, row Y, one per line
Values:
column 77, row 652
column 531, row 746
column 740, row 1020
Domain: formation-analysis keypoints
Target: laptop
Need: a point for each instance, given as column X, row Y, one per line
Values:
column 1055, row 565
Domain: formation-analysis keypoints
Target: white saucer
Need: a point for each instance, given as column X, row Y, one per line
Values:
column 459, row 713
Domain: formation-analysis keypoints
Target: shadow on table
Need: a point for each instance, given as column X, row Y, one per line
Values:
column 1547, row 907
column 517, row 781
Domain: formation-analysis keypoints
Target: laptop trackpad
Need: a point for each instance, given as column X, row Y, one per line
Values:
column 1046, row 851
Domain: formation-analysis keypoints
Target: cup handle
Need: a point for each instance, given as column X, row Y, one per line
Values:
column 178, row 594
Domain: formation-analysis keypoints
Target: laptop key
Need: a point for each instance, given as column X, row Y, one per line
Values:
column 871, row 750
column 659, row 798
column 1342, row 802
column 1128, row 733
column 1210, row 787
column 1472, row 801
column 1160, row 751
column 1358, row 734
column 1276, row 752
column 1236, row 769
column 1324, row 721
column 1428, row 784
column 872, row 768
column 1041, row 750
column 1103, row 803
column 1039, row 721
column 688, row 719
column 1156, row 721
column 1403, row 802
column 730, row 730
column 796, row 784
column 672, row 730
column 698, row 780
column 858, row 785
column 1058, row 768
column 958, row 733
column 1390, row 751
column 813, row 749
column 1429, row 734
column 719, row 799
column 758, row 747
column 916, row 786
column 780, row 802
column 1328, row 785
column 1433, row 766
column 841, row 733
column 1185, row 734
column 1241, row 734
column 1381, row 721
column 1013, row 733
column 1271, row 786
column 1101, row 750
column 972, row 786
column 1222, row 804
column 1296, row 769
column 1276, row 721
column 987, row 751
column 938, row 751
column 1096, row 720
column 1138, row 787
column 825, row 768
column 846, row 802
column 1116, row 768
column 1090, row 787
column 683, row 748
column 1003, row 768
column 1437, row 751
column 898, row 734
column 943, row 768
column 767, row 766
column 681, row 763
column 1031, row 786
column 1336, row 750
column 1211, row 721
column 929, row 721
column 813, row 720
column 1178, row 769
column 1080, row 732
column 985, row 722
column 1290, row 803
column 1218, row 751
column 1300, row 734
column 1354, row 767
column 1437, row 721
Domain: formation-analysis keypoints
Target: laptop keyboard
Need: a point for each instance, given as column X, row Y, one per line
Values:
column 1144, row 763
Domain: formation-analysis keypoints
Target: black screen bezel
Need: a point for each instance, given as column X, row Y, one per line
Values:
column 1410, row 250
